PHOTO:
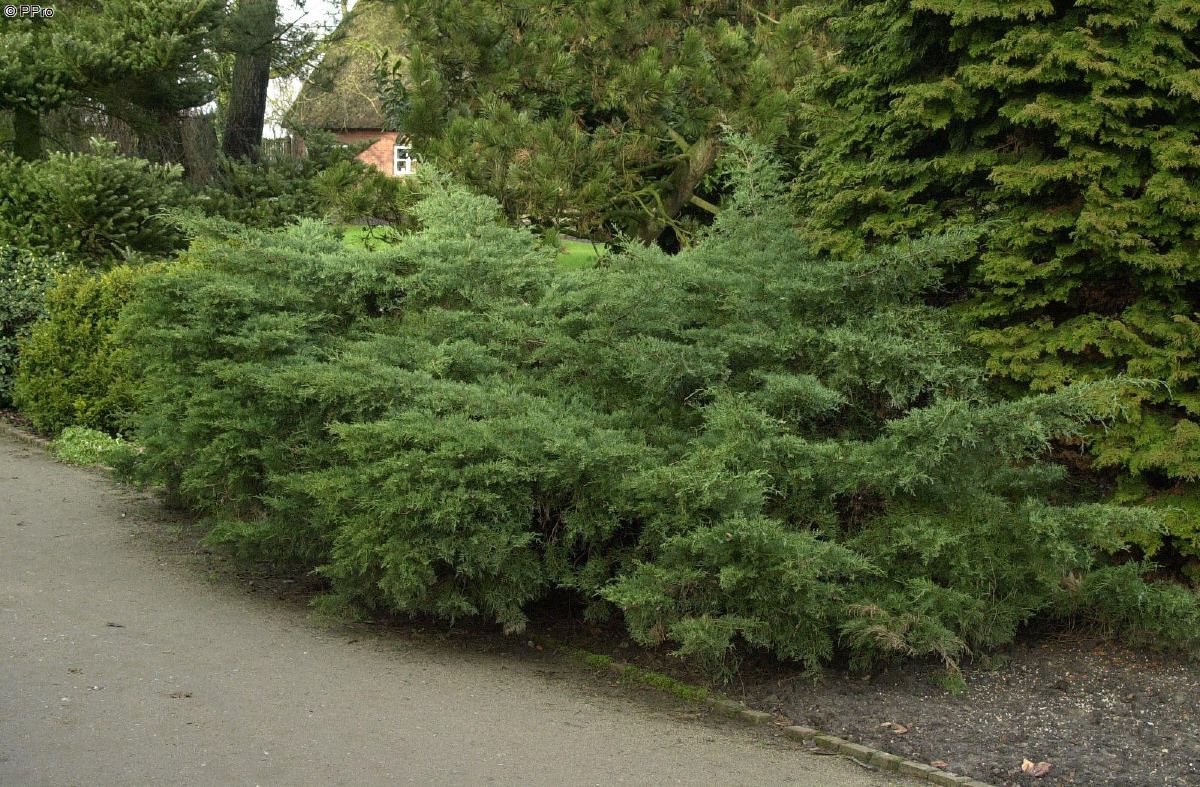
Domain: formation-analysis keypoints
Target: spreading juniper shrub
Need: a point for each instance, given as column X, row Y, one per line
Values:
column 742, row 446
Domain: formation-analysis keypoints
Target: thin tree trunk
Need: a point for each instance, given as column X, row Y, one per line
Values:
column 254, row 33
column 27, row 134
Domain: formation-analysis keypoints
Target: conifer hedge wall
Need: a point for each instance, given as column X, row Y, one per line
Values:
column 1072, row 130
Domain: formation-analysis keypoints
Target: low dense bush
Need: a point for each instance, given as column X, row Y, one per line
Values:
column 744, row 445
column 353, row 194
column 69, row 372
column 261, row 194
column 24, row 278
column 96, row 208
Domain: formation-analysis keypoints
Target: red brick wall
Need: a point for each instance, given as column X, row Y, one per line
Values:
column 379, row 155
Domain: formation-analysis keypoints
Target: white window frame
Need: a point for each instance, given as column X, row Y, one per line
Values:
column 402, row 159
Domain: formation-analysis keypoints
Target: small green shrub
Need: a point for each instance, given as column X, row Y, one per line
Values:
column 69, row 371
column 261, row 194
column 96, row 208
column 1159, row 615
column 24, row 278
column 78, row 445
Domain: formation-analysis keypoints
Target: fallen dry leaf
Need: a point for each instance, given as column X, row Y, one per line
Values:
column 1037, row 771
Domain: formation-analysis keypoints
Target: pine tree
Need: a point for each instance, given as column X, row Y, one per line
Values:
column 1072, row 131
column 598, row 116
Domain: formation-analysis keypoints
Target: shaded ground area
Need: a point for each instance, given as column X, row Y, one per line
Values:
column 1098, row 712
column 121, row 664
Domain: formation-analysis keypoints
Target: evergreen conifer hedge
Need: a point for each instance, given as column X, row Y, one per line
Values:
column 1073, row 130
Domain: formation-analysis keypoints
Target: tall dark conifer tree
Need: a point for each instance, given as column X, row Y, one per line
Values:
column 132, row 59
column 252, row 38
column 1073, row 130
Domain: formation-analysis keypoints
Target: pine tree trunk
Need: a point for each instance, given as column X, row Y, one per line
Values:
column 27, row 134
column 255, row 32
column 700, row 158
column 680, row 188
column 200, row 148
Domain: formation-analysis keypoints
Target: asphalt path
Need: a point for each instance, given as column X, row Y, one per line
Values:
column 121, row 663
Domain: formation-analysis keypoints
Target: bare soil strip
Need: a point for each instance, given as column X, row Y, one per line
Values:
column 1099, row 713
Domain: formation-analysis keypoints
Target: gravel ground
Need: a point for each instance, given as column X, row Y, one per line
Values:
column 1099, row 713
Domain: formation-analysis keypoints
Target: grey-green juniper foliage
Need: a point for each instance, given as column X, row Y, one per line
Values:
column 743, row 445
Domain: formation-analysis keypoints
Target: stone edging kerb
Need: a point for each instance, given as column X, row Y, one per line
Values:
column 22, row 435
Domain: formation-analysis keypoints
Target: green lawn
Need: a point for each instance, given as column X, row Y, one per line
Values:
column 576, row 255
column 579, row 254
column 358, row 236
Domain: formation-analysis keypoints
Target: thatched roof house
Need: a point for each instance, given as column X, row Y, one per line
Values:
column 341, row 95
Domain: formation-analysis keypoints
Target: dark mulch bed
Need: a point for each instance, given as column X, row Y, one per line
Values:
column 1098, row 712
column 16, row 419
